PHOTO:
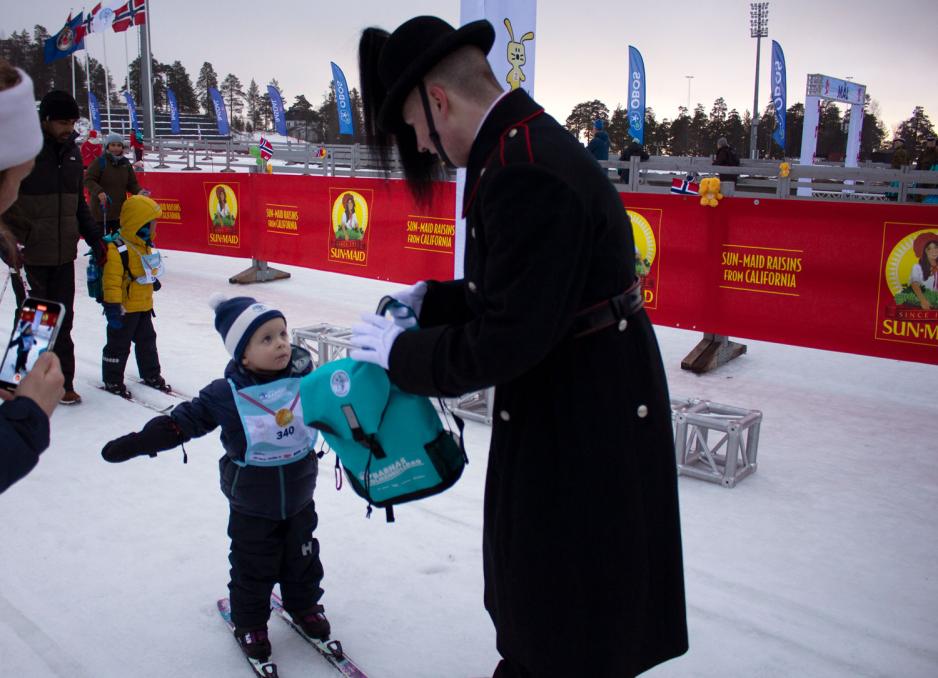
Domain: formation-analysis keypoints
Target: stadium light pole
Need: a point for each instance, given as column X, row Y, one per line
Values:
column 758, row 29
column 689, row 78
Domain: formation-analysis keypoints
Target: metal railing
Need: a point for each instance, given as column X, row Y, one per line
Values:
column 753, row 178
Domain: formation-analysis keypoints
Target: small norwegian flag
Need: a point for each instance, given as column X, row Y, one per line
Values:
column 686, row 186
column 132, row 13
column 267, row 151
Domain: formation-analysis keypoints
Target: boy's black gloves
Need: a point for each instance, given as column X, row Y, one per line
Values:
column 159, row 434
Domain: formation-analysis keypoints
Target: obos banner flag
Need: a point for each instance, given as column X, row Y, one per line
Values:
column 173, row 111
column 221, row 115
column 132, row 109
column 94, row 111
column 779, row 92
column 276, row 105
column 343, row 104
column 636, row 95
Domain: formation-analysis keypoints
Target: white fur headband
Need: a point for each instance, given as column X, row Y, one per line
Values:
column 20, row 134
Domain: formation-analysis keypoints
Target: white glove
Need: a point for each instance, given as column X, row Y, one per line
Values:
column 412, row 296
column 374, row 339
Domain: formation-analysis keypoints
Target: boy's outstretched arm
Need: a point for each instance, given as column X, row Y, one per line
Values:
column 160, row 433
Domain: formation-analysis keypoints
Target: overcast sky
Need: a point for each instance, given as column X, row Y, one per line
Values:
column 582, row 47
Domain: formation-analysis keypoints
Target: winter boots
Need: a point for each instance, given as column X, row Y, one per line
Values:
column 159, row 384
column 313, row 622
column 117, row 389
column 254, row 643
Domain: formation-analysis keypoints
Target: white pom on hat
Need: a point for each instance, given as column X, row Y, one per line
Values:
column 216, row 299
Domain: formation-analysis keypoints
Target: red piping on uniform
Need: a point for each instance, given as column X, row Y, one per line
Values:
column 501, row 152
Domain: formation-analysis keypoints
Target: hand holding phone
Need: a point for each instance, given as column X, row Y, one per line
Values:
column 44, row 384
column 34, row 332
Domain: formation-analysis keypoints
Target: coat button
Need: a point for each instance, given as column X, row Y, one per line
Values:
column 504, row 415
column 642, row 411
column 513, row 132
column 472, row 232
column 481, row 172
column 472, row 286
column 623, row 324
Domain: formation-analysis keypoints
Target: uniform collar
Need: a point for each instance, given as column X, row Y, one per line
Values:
column 510, row 109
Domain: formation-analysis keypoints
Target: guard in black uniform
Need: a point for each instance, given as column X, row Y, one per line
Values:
column 581, row 541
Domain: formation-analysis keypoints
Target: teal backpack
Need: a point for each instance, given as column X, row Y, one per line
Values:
column 392, row 444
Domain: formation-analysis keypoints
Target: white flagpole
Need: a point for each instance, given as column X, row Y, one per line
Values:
column 73, row 75
column 126, row 63
column 150, row 72
column 107, row 88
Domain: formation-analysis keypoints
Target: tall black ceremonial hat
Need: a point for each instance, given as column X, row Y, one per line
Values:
column 412, row 50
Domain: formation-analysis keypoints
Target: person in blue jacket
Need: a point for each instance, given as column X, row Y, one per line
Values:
column 599, row 144
column 268, row 471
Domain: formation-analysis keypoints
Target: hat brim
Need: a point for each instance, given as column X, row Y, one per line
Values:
column 477, row 33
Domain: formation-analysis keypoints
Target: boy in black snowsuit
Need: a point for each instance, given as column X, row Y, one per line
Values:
column 269, row 482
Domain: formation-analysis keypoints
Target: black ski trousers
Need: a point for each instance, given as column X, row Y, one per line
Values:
column 264, row 552
column 54, row 283
column 137, row 328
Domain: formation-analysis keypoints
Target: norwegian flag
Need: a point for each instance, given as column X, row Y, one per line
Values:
column 267, row 151
column 133, row 13
column 89, row 19
column 686, row 186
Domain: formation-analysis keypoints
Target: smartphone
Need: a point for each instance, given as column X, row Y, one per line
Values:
column 37, row 325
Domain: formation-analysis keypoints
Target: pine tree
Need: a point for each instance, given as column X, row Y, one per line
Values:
column 697, row 132
column 794, row 127
column 178, row 80
column 679, row 137
column 207, row 78
column 253, row 99
column 580, row 120
column 915, row 130
column 233, row 93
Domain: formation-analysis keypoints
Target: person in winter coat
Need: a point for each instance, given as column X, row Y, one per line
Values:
column 929, row 156
column 25, row 412
column 268, row 470
column 129, row 278
column 49, row 217
column 136, row 143
column 726, row 156
column 91, row 149
column 900, row 155
column 633, row 150
column 109, row 179
column 581, row 539
column 599, row 144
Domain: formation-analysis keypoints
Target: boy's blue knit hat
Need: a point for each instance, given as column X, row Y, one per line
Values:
column 237, row 319
column 598, row 124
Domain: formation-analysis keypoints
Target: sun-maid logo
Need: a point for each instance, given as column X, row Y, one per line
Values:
column 646, row 251
column 908, row 292
column 222, row 212
column 348, row 237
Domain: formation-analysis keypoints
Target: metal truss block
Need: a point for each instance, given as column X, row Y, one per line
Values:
column 729, row 458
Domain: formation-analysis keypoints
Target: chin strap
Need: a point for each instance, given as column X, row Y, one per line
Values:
column 434, row 135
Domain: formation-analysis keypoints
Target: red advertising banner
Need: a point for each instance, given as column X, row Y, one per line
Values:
column 859, row 278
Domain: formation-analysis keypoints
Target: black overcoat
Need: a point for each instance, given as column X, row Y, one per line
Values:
column 581, row 542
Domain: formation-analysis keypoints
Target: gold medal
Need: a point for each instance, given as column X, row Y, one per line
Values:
column 283, row 416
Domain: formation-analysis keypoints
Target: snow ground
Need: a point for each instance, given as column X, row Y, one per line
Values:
column 820, row 564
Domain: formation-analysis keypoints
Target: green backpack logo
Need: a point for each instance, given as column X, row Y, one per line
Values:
column 392, row 444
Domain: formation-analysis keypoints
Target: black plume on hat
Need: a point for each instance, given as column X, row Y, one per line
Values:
column 58, row 105
column 390, row 66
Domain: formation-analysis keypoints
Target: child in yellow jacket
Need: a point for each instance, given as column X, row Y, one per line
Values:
column 129, row 278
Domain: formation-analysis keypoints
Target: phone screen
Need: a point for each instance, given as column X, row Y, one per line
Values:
column 36, row 324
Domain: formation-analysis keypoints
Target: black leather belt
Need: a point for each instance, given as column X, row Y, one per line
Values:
column 613, row 311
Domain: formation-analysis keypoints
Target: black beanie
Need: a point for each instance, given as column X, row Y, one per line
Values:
column 58, row 105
